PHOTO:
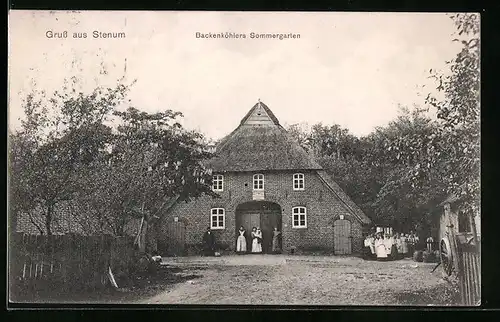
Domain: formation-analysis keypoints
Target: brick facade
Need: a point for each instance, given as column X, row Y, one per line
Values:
column 323, row 208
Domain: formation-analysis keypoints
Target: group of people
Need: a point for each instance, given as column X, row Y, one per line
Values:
column 385, row 246
column 256, row 241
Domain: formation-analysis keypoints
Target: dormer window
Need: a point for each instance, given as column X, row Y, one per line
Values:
column 298, row 181
column 258, row 182
column 218, row 182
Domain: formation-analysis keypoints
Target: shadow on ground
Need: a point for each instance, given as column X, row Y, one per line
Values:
column 131, row 289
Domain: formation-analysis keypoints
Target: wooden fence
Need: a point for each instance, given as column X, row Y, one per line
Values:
column 469, row 273
column 65, row 262
column 465, row 248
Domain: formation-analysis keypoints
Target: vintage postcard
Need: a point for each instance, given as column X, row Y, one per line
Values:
column 248, row 158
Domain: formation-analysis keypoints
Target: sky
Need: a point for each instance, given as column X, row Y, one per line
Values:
column 351, row 69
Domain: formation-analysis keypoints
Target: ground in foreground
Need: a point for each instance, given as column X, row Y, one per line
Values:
column 281, row 280
column 303, row 280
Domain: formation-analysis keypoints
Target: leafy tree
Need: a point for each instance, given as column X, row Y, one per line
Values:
column 332, row 141
column 300, row 132
column 459, row 112
column 358, row 179
column 60, row 135
column 64, row 156
column 151, row 160
column 411, row 188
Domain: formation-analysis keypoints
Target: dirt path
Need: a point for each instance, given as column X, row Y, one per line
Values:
column 302, row 280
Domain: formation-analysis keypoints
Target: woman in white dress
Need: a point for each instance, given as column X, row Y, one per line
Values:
column 380, row 247
column 256, row 240
column 388, row 244
column 241, row 242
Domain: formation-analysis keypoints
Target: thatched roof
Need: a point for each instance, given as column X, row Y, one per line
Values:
column 260, row 143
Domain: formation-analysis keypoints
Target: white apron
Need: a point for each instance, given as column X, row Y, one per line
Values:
column 256, row 246
column 380, row 248
column 241, row 242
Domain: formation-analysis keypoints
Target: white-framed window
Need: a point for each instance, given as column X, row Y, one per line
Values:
column 298, row 181
column 258, row 181
column 218, row 182
column 217, row 218
column 299, row 217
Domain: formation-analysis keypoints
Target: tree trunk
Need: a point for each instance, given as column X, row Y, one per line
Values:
column 140, row 240
column 40, row 229
column 48, row 218
column 152, row 243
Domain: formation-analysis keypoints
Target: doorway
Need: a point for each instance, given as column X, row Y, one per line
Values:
column 342, row 238
column 263, row 214
column 175, row 243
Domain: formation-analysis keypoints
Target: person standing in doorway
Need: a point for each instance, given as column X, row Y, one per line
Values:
column 256, row 240
column 276, row 247
column 253, row 239
column 241, row 242
column 209, row 243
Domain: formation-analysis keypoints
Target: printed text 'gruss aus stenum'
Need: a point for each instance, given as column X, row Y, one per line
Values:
column 94, row 34
column 252, row 35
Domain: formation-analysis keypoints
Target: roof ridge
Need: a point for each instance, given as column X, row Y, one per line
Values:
column 261, row 146
column 266, row 109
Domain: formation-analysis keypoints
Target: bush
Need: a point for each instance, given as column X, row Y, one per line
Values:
column 428, row 257
column 418, row 256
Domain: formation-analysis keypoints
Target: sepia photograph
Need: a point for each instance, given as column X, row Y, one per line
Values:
column 244, row 158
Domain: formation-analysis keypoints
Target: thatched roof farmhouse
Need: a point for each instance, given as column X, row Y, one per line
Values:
column 265, row 179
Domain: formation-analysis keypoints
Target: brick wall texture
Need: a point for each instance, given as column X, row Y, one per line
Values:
column 323, row 208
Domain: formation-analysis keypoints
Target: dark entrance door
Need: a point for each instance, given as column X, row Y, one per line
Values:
column 342, row 237
column 268, row 221
column 265, row 215
column 176, row 238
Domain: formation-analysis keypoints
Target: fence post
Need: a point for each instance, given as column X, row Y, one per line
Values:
column 456, row 257
column 101, row 264
column 95, row 259
column 66, row 263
